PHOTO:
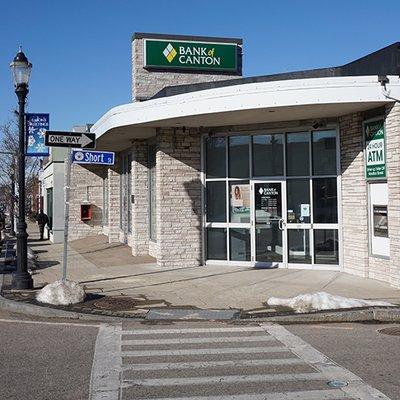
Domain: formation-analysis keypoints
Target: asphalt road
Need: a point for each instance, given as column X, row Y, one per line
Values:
column 360, row 348
column 44, row 359
column 71, row 360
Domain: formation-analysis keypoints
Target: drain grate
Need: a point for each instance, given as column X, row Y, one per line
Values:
column 392, row 331
column 337, row 384
column 120, row 303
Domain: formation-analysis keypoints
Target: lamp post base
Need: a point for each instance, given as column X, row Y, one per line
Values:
column 22, row 281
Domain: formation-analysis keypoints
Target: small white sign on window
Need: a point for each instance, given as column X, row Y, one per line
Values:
column 304, row 210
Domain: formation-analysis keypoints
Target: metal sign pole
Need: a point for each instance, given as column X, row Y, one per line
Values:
column 67, row 179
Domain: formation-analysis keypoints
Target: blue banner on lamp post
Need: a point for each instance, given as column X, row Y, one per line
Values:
column 36, row 126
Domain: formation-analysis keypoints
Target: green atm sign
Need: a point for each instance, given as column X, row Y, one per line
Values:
column 188, row 55
column 375, row 149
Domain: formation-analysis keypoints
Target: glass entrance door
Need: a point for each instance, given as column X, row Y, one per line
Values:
column 269, row 223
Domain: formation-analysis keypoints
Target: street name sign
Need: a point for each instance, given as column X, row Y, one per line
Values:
column 70, row 139
column 93, row 157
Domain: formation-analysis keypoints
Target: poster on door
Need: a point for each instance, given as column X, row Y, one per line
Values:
column 240, row 203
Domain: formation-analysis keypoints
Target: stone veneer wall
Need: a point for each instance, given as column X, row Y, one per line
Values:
column 140, row 208
column 146, row 83
column 354, row 196
column 178, row 198
column 393, row 171
column 86, row 184
column 356, row 258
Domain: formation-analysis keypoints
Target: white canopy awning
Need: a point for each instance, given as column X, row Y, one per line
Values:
column 249, row 103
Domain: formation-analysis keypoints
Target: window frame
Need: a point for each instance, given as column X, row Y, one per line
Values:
column 284, row 178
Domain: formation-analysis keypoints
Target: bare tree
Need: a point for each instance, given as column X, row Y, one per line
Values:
column 9, row 170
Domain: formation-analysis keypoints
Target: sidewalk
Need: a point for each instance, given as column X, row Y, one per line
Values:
column 111, row 270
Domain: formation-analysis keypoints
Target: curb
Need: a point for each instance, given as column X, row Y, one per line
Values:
column 378, row 315
column 48, row 312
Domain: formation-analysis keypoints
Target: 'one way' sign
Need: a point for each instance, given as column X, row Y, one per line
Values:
column 70, row 139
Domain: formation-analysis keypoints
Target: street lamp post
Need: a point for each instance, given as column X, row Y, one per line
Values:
column 21, row 69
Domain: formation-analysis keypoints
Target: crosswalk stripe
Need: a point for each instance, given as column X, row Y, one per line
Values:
column 224, row 339
column 191, row 330
column 221, row 350
column 212, row 364
column 332, row 394
column 236, row 379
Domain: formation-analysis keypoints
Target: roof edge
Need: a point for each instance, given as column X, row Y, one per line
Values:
column 144, row 35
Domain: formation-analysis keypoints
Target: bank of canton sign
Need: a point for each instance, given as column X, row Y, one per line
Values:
column 375, row 149
column 188, row 55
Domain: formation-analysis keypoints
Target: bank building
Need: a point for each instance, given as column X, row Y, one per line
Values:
column 291, row 170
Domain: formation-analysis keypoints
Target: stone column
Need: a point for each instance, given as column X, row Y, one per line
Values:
column 178, row 198
column 393, row 175
column 354, row 196
column 113, row 203
column 140, row 207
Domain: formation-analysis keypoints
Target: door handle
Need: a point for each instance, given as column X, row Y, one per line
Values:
column 281, row 224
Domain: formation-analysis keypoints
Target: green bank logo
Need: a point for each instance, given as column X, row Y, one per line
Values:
column 169, row 52
column 191, row 55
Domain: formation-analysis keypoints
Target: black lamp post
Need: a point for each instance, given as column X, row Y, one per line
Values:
column 21, row 69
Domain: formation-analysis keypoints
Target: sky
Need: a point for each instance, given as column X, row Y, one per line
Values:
column 81, row 50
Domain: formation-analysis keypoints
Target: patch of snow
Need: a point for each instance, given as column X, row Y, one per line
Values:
column 321, row 301
column 61, row 293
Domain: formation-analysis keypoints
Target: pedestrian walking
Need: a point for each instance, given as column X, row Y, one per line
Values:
column 42, row 220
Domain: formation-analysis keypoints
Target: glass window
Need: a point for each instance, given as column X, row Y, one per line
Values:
column 240, row 201
column 239, row 241
column 324, row 153
column 216, row 202
column 298, row 201
column 216, row 157
column 299, row 246
column 152, row 152
column 268, row 155
column 239, row 156
column 216, row 243
column 49, row 207
column 325, row 200
column 269, row 246
column 326, row 246
column 298, row 154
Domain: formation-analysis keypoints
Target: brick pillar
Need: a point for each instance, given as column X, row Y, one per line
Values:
column 140, row 208
column 178, row 198
column 113, row 203
column 393, row 175
column 354, row 196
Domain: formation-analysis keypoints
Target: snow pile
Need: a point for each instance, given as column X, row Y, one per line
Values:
column 321, row 301
column 61, row 293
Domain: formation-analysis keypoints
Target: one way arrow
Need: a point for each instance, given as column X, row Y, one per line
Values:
column 81, row 140
column 85, row 140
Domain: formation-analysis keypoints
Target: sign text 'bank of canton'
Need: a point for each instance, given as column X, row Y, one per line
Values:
column 191, row 55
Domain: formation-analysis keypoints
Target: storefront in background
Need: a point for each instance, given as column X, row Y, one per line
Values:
column 295, row 170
